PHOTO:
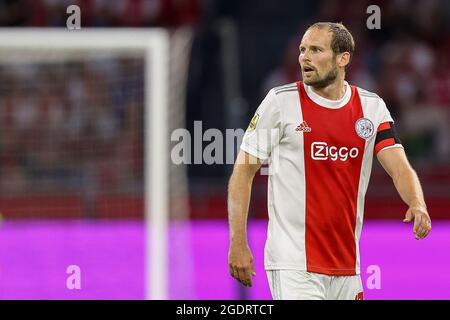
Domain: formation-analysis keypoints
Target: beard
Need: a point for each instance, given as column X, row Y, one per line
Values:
column 325, row 81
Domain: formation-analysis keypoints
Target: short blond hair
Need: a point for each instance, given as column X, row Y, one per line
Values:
column 342, row 40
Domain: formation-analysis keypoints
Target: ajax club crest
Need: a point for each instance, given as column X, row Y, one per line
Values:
column 364, row 128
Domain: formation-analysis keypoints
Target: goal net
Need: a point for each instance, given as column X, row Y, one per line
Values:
column 87, row 189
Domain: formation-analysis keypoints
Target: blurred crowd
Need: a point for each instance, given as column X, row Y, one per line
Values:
column 405, row 62
column 93, row 111
column 98, row 13
column 71, row 126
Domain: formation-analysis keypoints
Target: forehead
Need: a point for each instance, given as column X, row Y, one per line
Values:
column 317, row 37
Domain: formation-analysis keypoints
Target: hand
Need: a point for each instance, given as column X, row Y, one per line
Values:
column 422, row 221
column 240, row 264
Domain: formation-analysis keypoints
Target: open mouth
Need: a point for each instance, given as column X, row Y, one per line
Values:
column 308, row 69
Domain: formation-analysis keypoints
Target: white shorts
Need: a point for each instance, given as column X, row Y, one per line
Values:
column 302, row 285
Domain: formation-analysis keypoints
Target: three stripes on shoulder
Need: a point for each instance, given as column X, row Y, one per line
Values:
column 286, row 88
column 368, row 94
column 293, row 87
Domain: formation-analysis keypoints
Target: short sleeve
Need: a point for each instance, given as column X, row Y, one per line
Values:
column 263, row 133
column 387, row 136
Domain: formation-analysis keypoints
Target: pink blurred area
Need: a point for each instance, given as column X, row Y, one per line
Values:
column 34, row 257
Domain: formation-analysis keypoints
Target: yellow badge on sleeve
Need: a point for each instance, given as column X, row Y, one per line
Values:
column 252, row 125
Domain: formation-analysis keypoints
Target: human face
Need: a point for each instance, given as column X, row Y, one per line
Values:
column 317, row 59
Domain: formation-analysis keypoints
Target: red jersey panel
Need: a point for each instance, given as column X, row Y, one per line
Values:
column 333, row 157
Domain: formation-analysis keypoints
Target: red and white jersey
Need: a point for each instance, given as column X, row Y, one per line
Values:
column 320, row 153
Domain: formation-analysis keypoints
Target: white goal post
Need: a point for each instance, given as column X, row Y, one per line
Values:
column 154, row 45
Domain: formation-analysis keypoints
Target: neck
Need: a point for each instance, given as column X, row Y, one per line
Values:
column 333, row 91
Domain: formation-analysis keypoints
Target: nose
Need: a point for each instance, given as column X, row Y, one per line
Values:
column 304, row 57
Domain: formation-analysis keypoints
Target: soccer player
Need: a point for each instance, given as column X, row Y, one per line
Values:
column 319, row 136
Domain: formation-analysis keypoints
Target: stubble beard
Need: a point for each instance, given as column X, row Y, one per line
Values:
column 325, row 81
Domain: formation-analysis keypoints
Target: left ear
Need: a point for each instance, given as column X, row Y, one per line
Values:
column 343, row 59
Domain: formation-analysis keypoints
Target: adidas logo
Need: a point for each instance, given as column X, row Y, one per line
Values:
column 303, row 127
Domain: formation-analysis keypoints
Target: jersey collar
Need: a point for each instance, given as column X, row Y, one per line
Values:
column 327, row 103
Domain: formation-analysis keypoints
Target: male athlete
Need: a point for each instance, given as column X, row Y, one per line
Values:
column 319, row 136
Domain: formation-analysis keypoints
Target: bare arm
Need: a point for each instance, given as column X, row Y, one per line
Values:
column 240, row 259
column 405, row 179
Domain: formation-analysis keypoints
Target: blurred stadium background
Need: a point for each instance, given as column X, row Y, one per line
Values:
column 72, row 144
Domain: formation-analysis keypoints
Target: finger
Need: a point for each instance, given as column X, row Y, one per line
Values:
column 248, row 277
column 417, row 222
column 235, row 273
column 244, row 273
column 252, row 270
column 426, row 232
column 423, row 234
column 408, row 216
column 420, row 233
column 420, row 230
column 230, row 270
column 426, row 228
column 428, row 222
column 240, row 276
